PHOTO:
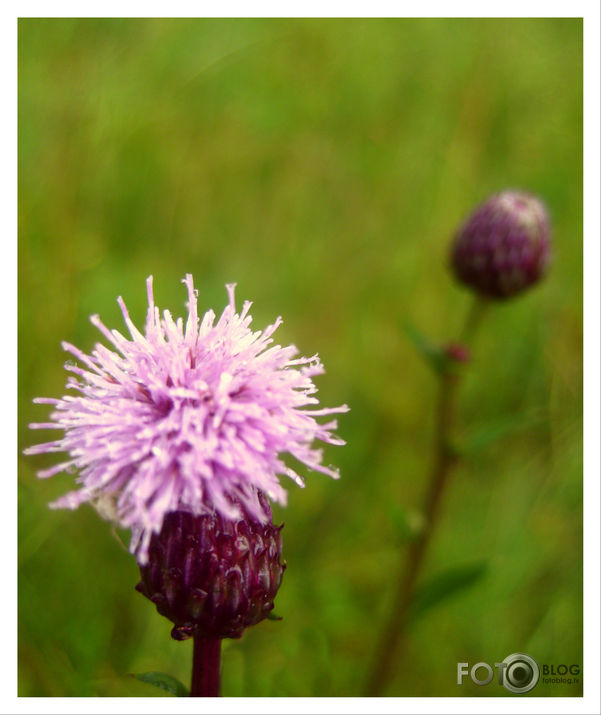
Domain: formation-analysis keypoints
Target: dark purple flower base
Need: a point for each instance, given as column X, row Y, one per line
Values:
column 213, row 577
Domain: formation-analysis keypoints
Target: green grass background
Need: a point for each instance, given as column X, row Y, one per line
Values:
column 323, row 165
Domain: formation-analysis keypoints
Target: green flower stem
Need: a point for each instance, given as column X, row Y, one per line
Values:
column 391, row 641
column 477, row 311
column 206, row 667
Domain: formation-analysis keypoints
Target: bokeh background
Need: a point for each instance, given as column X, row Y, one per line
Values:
column 323, row 165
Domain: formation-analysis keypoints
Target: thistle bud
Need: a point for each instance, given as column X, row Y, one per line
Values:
column 457, row 352
column 503, row 247
column 212, row 577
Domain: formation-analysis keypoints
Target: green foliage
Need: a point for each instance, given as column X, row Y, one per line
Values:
column 444, row 585
column 323, row 165
column 164, row 682
column 483, row 436
column 407, row 525
column 432, row 354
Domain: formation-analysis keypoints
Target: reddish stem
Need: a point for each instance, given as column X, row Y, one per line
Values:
column 392, row 638
column 206, row 668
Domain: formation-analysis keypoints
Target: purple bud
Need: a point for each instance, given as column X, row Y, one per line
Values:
column 211, row 576
column 457, row 352
column 503, row 247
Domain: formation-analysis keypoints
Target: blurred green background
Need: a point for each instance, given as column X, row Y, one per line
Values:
column 323, row 165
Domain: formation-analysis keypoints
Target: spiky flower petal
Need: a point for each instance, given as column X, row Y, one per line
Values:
column 192, row 417
column 503, row 247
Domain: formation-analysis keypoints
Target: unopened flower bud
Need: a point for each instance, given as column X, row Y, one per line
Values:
column 212, row 577
column 503, row 247
column 457, row 352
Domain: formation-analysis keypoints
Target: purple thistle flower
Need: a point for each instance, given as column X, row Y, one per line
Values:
column 190, row 417
column 503, row 246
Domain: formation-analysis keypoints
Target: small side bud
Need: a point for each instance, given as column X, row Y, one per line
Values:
column 457, row 352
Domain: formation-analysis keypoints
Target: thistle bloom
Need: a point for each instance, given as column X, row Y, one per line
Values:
column 191, row 418
column 503, row 247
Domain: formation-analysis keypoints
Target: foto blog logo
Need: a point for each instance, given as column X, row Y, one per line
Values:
column 518, row 673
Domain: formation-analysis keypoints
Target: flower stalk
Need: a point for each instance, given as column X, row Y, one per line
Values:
column 501, row 250
column 477, row 310
column 391, row 641
column 206, row 668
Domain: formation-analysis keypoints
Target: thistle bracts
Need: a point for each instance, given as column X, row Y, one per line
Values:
column 503, row 247
column 212, row 576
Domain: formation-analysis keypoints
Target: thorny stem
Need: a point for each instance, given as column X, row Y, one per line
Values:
column 391, row 641
column 206, row 667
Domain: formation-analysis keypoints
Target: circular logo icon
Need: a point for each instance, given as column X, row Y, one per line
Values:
column 521, row 673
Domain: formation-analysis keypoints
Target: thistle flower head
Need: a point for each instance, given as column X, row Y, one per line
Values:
column 192, row 416
column 503, row 246
column 213, row 577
